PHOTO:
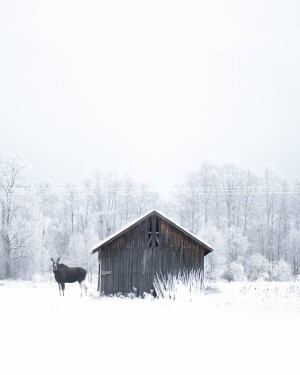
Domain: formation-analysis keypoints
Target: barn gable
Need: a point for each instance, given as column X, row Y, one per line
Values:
column 164, row 227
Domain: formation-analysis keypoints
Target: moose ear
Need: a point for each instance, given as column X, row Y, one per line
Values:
column 52, row 260
column 58, row 259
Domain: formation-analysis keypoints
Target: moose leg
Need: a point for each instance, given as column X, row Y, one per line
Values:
column 84, row 287
column 63, row 288
column 59, row 288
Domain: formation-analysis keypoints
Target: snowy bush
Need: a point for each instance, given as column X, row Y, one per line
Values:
column 184, row 285
column 234, row 272
column 281, row 271
column 257, row 267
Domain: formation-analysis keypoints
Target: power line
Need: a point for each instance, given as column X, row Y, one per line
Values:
column 253, row 190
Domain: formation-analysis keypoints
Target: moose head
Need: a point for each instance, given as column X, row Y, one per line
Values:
column 55, row 263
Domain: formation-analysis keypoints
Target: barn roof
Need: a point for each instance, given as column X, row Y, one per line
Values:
column 96, row 248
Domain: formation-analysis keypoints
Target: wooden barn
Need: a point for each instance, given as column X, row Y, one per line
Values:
column 129, row 259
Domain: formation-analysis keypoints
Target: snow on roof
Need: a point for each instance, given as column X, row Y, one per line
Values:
column 126, row 227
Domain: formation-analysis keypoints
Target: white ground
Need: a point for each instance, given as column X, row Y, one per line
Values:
column 248, row 328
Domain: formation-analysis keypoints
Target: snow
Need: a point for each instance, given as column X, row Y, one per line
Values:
column 245, row 328
column 101, row 243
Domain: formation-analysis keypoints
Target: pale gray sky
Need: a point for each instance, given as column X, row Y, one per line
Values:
column 151, row 87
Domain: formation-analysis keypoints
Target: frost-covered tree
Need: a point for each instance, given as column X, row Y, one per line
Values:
column 267, row 213
column 17, row 226
column 215, row 262
column 193, row 200
column 293, row 250
column 231, row 179
column 236, row 244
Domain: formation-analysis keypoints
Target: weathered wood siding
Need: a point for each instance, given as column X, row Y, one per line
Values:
column 133, row 259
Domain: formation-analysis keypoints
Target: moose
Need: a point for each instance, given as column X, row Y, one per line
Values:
column 64, row 274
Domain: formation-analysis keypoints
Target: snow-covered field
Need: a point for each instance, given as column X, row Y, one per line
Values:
column 246, row 328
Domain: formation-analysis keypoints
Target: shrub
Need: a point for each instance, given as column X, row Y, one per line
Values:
column 281, row 271
column 257, row 267
column 234, row 272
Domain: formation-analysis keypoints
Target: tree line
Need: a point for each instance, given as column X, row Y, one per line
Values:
column 251, row 220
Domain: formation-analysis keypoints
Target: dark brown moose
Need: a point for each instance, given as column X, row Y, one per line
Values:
column 64, row 274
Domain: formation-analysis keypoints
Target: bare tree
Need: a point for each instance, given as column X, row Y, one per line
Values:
column 205, row 185
column 71, row 206
column 85, row 203
column 296, row 204
column 282, row 224
column 14, row 233
column 231, row 184
column 248, row 197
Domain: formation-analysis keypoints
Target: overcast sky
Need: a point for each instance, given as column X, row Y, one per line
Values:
column 151, row 87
